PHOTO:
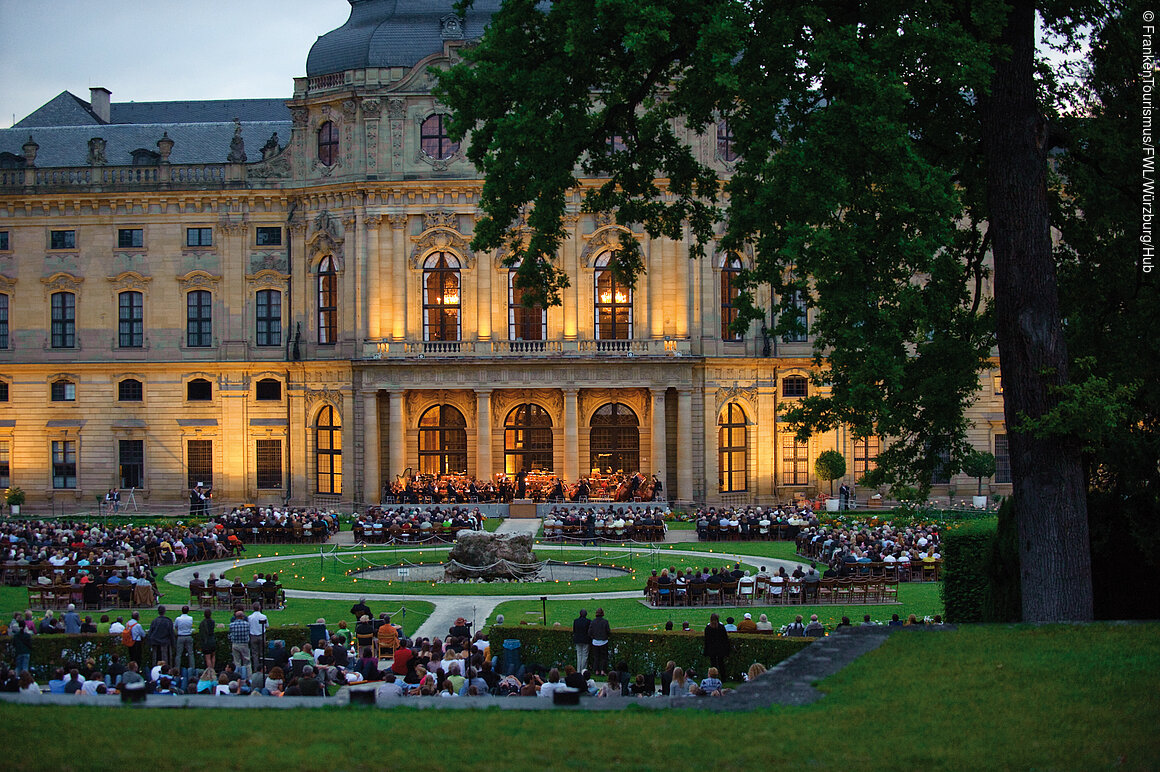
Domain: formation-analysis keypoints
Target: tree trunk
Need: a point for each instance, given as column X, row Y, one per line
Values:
column 1050, row 498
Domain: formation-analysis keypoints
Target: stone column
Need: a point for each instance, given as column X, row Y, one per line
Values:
column 659, row 441
column 398, row 434
column 712, row 481
column 372, row 488
column 571, row 438
column 685, row 444
column 398, row 279
column 375, row 285
column 483, row 297
column 655, row 277
column 483, row 435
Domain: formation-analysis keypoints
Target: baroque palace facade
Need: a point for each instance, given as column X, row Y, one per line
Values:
column 278, row 298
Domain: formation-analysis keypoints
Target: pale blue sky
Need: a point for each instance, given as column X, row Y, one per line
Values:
column 156, row 50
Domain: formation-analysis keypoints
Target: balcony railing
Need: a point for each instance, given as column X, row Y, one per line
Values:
column 73, row 177
column 526, row 348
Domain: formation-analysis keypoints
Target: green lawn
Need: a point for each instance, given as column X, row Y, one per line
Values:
column 919, row 599
column 311, row 572
column 984, row 697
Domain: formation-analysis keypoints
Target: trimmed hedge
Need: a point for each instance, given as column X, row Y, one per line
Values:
column 52, row 651
column 981, row 570
column 647, row 652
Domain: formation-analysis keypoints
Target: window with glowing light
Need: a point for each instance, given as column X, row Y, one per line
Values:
column 731, row 450
column 327, row 302
column 442, row 441
column 527, row 440
column 524, row 323
column 441, row 301
column 328, row 451
column 730, row 291
column 614, row 440
column 613, row 303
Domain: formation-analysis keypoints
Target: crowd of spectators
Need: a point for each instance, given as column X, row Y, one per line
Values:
column 280, row 525
column 607, row 522
column 844, row 549
column 409, row 523
column 745, row 523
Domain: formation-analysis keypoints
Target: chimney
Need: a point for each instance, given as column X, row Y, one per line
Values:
column 99, row 100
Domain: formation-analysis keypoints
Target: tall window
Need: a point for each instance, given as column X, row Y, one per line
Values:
column 130, row 320
column 1002, row 460
column 441, row 302
column 269, row 463
column 613, row 304
column 64, row 464
column 198, row 319
column 199, row 463
column 268, row 321
column 327, row 148
column 327, row 302
column 3, row 321
column 725, row 149
column 795, row 457
column 614, row 440
column 442, row 441
column 795, row 386
column 527, row 440
column 130, row 390
column 328, row 444
column 199, row 390
column 865, row 456
column 64, row 320
column 731, row 442
column 941, row 474
column 524, row 323
column 131, row 456
column 730, row 291
column 797, row 313
column 434, row 141
column 5, row 465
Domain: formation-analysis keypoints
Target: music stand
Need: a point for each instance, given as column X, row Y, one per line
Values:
column 132, row 498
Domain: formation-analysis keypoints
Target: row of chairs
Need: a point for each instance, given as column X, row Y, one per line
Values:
column 767, row 532
column 377, row 533
column 826, row 591
column 276, row 534
column 629, row 532
column 269, row 595
column 96, row 597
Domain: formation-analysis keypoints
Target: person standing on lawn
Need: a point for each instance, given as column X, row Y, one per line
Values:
column 716, row 642
column 600, row 632
column 581, row 639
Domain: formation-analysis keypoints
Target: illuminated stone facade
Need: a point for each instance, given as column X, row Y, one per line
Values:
column 306, row 322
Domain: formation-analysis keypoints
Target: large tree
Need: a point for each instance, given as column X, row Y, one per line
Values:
column 855, row 132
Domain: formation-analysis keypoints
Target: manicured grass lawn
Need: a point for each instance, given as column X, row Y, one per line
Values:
column 986, row 697
column 918, row 599
column 329, row 574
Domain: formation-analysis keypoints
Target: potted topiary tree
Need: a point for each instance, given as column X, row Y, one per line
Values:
column 830, row 466
column 15, row 498
column 979, row 464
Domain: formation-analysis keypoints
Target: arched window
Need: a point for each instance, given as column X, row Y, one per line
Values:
column 524, row 323
column 527, row 440
column 795, row 386
column 614, row 439
column 327, row 302
column 268, row 318
column 327, row 143
column 433, row 139
column 130, row 320
column 130, row 390
column 725, row 149
column 730, row 291
column 441, row 297
column 731, row 450
column 198, row 319
column 328, row 450
column 613, row 304
column 442, row 441
column 64, row 320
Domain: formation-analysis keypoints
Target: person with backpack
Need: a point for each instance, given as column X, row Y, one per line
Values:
column 132, row 636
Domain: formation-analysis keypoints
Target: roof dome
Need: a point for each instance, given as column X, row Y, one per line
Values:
column 395, row 33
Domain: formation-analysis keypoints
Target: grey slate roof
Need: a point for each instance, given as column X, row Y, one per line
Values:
column 194, row 143
column 67, row 109
column 391, row 33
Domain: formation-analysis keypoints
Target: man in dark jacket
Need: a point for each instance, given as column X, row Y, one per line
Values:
column 716, row 642
column 599, row 632
column 160, row 637
column 581, row 639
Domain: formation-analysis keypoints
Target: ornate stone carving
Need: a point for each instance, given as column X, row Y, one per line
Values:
column 61, row 282
column 371, row 108
column 441, row 218
column 398, row 221
column 349, row 109
column 275, row 168
column 237, row 153
column 300, row 116
column 451, row 27
column 267, row 278
column 325, row 237
column 195, row 280
column 130, row 280
column 606, row 239
column 97, row 152
column 396, row 107
column 274, row 261
column 439, row 239
column 332, row 396
column 373, row 221
column 7, row 282
column 372, row 142
column 746, row 395
column 233, row 227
